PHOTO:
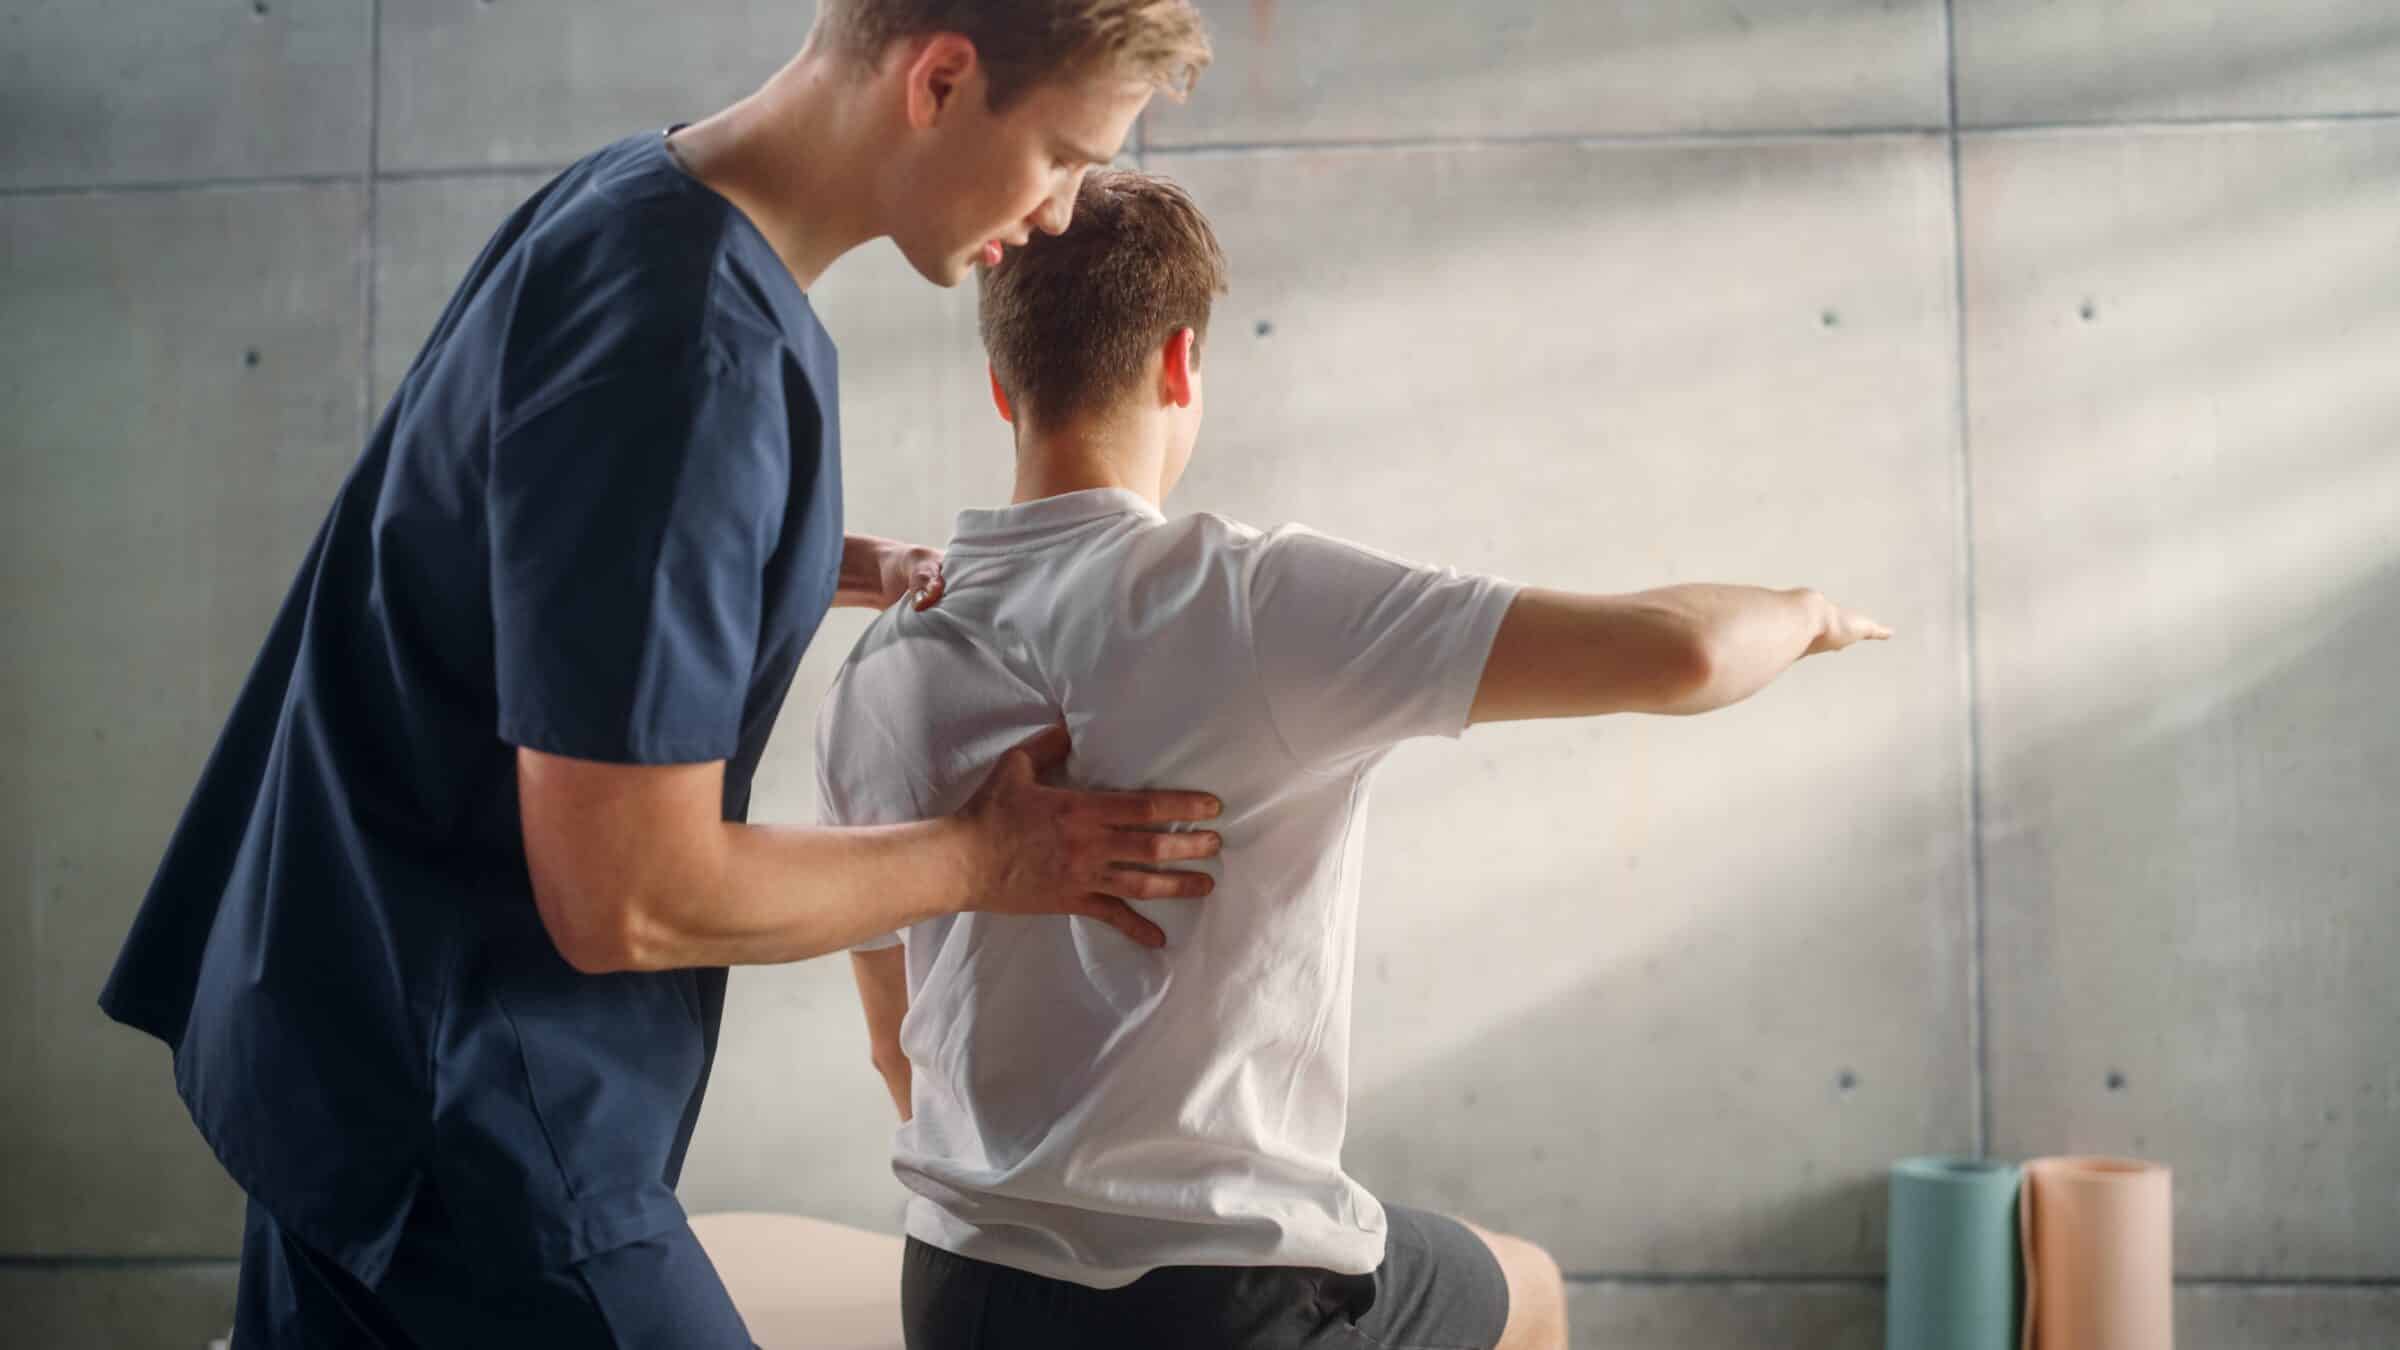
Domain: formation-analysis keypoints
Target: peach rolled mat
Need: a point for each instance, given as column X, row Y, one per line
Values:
column 2099, row 1237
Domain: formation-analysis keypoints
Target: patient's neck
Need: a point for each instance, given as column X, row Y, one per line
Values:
column 1119, row 452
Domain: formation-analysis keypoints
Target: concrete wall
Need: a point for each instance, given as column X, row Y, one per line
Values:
column 2060, row 335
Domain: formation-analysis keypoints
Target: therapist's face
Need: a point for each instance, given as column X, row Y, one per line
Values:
column 972, row 182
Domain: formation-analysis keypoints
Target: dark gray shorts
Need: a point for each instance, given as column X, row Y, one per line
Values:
column 1438, row 1288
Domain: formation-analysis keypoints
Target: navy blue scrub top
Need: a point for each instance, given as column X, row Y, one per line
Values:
column 601, row 518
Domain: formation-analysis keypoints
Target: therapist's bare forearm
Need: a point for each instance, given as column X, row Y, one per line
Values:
column 1747, row 636
column 860, row 580
column 633, row 867
column 769, row 894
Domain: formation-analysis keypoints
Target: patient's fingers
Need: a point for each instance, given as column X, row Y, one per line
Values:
column 1132, row 883
column 1152, row 846
column 1109, row 910
column 1153, row 807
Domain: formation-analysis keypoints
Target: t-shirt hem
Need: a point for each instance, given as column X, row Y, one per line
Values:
column 929, row 1224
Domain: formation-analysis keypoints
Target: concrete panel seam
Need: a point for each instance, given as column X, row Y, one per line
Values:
column 1771, row 1280
column 464, row 172
column 1706, row 1279
column 1224, row 149
column 1978, row 990
column 106, row 1262
column 470, row 172
column 153, row 187
column 2298, row 121
column 367, row 234
column 1761, row 135
column 1627, row 1279
column 2288, row 1282
column 1204, row 150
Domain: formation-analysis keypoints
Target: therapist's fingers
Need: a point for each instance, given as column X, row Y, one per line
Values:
column 1130, row 883
column 1109, row 910
column 1151, row 846
column 925, row 579
column 1153, row 807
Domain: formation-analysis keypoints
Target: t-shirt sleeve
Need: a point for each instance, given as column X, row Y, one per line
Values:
column 860, row 780
column 631, row 521
column 1357, row 651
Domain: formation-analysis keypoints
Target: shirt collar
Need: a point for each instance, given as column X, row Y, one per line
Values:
column 999, row 528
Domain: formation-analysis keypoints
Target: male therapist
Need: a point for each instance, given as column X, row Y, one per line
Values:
column 439, row 942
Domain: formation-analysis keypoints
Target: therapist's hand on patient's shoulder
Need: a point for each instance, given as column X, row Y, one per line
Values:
column 1044, row 850
column 915, row 573
column 880, row 573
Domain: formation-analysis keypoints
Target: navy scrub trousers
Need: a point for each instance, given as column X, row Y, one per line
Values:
column 601, row 518
column 659, row 1292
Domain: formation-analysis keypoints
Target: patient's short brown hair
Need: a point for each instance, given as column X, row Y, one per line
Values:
column 1025, row 42
column 1071, row 320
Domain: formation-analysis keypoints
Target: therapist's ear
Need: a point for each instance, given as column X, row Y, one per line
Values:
column 1178, row 361
column 1000, row 397
column 934, row 76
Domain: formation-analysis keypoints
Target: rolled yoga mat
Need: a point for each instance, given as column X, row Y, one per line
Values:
column 2099, row 1255
column 1953, row 1278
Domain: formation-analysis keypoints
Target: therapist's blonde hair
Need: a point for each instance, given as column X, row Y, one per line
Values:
column 1071, row 320
column 1023, row 43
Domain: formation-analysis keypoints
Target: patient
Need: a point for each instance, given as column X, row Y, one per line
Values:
column 1118, row 1143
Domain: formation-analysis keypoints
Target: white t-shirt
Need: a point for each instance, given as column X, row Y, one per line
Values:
column 1085, row 1108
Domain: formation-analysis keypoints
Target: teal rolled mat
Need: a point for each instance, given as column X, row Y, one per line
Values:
column 1954, row 1268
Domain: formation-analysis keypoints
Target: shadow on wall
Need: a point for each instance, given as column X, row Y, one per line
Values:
column 2195, row 917
column 1748, row 1047
column 1528, row 67
column 1331, row 70
column 2234, row 968
column 2160, row 58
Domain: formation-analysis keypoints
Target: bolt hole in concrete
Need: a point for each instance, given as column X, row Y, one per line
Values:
column 1846, row 1080
column 1830, row 319
column 250, row 357
column 2089, row 311
column 1265, row 328
column 2116, row 1081
column 258, row 8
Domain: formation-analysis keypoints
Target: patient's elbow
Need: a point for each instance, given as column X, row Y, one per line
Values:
column 1686, row 669
column 1696, row 663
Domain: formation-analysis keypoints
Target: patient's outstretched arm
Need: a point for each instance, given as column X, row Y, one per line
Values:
column 1676, row 650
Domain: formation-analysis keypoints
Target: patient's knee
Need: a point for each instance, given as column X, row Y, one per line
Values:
column 1537, row 1292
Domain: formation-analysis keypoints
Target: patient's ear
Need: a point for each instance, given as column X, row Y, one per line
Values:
column 1175, row 375
column 1000, row 397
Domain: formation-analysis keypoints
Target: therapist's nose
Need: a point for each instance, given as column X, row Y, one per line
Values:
column 1056, row 212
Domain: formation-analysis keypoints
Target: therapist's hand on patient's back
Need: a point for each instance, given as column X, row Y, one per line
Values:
column 1048, row 850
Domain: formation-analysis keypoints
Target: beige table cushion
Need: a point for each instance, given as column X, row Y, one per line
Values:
column 804, row 1284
